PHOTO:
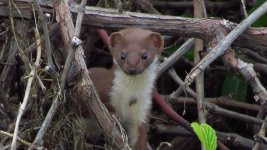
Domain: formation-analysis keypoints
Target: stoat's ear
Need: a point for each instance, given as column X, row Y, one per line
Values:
column 114, row 40
column 157, row 40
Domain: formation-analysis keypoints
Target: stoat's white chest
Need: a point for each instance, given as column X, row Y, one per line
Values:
column 131, row 95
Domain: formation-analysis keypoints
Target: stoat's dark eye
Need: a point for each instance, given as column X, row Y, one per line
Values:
column 144, row 55
column 123, row 56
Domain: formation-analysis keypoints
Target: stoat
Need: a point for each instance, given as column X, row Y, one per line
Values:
column 127, row 88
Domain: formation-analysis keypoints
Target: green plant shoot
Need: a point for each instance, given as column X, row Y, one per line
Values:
column 206, row 135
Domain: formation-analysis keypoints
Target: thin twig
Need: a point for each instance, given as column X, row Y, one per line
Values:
column 244, row 8
column 56, row 100
column 22, row 53
column 54, row 29
column 19, row 139
column 221, row 101
column 198, row 11
column 179, row 81
column 212, row 108
column 204, row 10
column 27, row 90
column 175, row 56
column 28, row 87
column 79, row 19
column 48, row 48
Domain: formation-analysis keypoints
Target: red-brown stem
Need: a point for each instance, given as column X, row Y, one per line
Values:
column 170, row 112
column 104, row 36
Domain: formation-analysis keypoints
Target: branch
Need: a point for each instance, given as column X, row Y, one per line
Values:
column 221, row 101
column 199, row 9
column 56, row 99
column 48, row 48
column 27, row 90
column 166, row 64
column 262, row 68
column 112, row 19
column 212, row 107
column 80, row 18
column 261, row 134
column 247, row 71
column 254, row 55
column 19, row 139
column 222, row 46
column 237, row 140
column 85, row 90
column 54, row 29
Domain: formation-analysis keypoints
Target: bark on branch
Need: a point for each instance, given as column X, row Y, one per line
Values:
column 85, row 90
column 96, row 17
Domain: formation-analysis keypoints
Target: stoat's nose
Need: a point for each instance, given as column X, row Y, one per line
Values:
column 132, row 71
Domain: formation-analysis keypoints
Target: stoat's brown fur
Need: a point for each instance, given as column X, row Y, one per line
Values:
column 128, row 86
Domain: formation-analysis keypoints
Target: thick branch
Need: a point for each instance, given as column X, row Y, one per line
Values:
column 85, row 90
column 112, row 19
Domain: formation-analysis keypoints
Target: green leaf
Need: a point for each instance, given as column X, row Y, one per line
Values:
column 262, row 21
column 206, row 134
column 234, row 86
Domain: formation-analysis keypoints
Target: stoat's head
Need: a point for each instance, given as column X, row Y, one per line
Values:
column 133, row 50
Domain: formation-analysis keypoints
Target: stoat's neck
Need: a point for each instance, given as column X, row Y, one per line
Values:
column 144, row 80
column 131, row 98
